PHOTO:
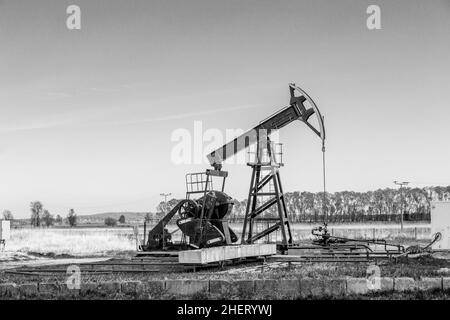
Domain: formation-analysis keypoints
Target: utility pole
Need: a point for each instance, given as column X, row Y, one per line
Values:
column 165, row 195
column 401, row 184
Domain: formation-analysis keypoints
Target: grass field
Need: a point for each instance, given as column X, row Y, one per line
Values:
column 109, row 241
column 33, row 246
column 75, row 242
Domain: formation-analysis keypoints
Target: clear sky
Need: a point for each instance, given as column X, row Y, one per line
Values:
column 86, row 116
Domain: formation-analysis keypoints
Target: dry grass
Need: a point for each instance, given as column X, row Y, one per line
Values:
column 75, row 242
column 107, row 241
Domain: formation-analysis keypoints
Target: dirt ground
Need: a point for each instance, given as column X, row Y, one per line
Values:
column 15, row 260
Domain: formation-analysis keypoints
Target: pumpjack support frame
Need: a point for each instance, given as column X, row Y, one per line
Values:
column 253, row 211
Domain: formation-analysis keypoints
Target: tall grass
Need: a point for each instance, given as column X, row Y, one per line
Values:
column 76, row 241
column 101, row 241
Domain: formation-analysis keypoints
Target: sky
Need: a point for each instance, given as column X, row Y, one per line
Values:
column 87, row 116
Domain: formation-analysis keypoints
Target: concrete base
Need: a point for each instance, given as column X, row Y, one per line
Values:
column 5, row 230
column 217, row 254
column 440, row 222
column 224, row 289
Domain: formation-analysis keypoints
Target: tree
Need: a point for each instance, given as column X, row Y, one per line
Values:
column 148, row 217
column 122, row 219
column 110, row 222
column 58, row 219
column 7, row 215
column 72, row 218
column 166, row 207
column 36, row 210
column 163, row 208
column 47, row 219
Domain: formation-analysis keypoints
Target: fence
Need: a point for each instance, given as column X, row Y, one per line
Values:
column 347, row 218
column 303, row 232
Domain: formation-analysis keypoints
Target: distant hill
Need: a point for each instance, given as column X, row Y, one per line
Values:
column 130, row 217
column 96, row 219
column 115, row 215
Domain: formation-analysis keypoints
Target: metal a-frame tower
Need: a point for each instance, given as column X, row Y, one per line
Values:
column 266, row 175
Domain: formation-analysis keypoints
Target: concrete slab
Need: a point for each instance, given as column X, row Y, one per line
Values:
column 186, row 287
column 228, row 288
column 109, row 287
column 278, row 287
column 429, row 284
column 49, row 288
column 8, row 290
column 28, row 289
column 440, row 222
column 387, row 284
column 364, row 285
column 313, row 287
column 5, row 233
column 132, row 287
column 446, row 283
column 404, row 284
column 357, row 286
column 154, row 287
column 222, row 253
column 220, row 286
column 88, row 287
column 244, row 287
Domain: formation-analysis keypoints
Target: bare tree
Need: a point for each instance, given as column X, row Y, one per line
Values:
column 148, row 217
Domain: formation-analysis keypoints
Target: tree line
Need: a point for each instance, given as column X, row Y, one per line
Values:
column 42, row 217
column 345, row 206
column 349, row 206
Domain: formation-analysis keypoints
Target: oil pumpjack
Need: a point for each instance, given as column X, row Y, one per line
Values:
column 204, row 221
